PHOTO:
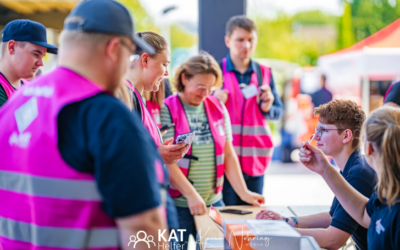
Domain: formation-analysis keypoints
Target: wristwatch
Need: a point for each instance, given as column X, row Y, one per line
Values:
column 286, row 219
column 296, row 222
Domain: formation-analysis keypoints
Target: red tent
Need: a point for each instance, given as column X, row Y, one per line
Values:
column 376, row 58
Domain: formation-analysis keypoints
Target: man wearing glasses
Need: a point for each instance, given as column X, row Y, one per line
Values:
column 338, row 136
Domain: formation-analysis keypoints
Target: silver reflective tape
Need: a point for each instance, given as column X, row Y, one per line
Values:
column 251, row 130
column 220, row 159
column 256, row 131
column 236, row 129
column 251, row 151
column 163, row 193
column 49, row 187
column 58, row 237
column 220, row 181
column 183, row 163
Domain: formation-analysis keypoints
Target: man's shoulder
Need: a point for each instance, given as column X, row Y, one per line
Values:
column 361, row 170
column 101, row 107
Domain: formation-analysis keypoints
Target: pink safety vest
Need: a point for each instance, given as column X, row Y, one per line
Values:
column 8, row 88
column 154, row 110
column 147, row 120
column 251, row 133
column 45, row 203
column 215, row 115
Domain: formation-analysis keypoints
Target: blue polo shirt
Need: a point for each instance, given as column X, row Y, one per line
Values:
column 384, row 230
column 276, row 111
column 362, row 177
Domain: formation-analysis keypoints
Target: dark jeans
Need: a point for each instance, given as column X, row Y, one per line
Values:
column 172, row 214
column 186, row 221
column 254, row 184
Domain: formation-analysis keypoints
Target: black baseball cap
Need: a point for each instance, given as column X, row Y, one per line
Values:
column 108, row 17
column 29, row 31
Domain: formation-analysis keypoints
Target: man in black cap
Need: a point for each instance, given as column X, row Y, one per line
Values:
column 94, row 172
column 23, row 45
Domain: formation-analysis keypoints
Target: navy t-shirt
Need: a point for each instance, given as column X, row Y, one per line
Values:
column 99, row 135
column 321, row 97
column 393, row 94
column 362, row 177
column 384, row 230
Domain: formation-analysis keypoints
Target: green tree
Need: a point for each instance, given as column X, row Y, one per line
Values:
column 143, row 20
column 370, row 16
column 345, row 30
column 277, row 39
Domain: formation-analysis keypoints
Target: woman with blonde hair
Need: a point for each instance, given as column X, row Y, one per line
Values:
column 147, row 74
column 197, row 180
column 381, row 213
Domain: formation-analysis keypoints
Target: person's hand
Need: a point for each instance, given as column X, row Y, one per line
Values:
column 253, row 198
column 266, row 98
column 197, row 206
column 172, row 153
column 164, row 132
column 222, row 95
column 313, row 158
column 268, row 215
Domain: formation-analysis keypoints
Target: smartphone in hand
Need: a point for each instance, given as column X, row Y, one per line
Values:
column 167, row 126
column 187, row 138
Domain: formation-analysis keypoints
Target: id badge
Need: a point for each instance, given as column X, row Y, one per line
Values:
column 249, row 91
column 221, row 130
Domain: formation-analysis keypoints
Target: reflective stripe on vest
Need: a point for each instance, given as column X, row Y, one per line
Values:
column 215, row 115
column 251, row 133
column 46, row 204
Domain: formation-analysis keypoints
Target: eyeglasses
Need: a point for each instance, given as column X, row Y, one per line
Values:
column 204, row 88
column 133, row 58
column 319, row 131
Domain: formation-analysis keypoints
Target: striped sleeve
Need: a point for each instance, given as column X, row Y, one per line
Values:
column 166, row 119
column 228, row 126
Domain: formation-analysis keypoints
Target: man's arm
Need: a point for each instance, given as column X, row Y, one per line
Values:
column 148, row 221
column 321, row 220
column 276, row 111
column 329, row 238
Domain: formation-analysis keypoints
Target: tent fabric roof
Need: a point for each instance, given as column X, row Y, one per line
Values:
column 33, row 6
column 388, row 37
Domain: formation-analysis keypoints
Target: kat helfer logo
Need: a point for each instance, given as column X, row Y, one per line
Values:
column 173, row 241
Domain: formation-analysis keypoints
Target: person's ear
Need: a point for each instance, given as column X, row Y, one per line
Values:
column 348, row 136
column 184, row 79
column 112, row 49
column 144, row 60
column 11, row 45
column 227, row 41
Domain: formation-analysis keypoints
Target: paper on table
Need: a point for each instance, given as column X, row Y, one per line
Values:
column 214, row 243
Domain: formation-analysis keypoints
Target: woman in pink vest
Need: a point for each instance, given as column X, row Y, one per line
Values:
column 197, row 179
column 147, row 75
